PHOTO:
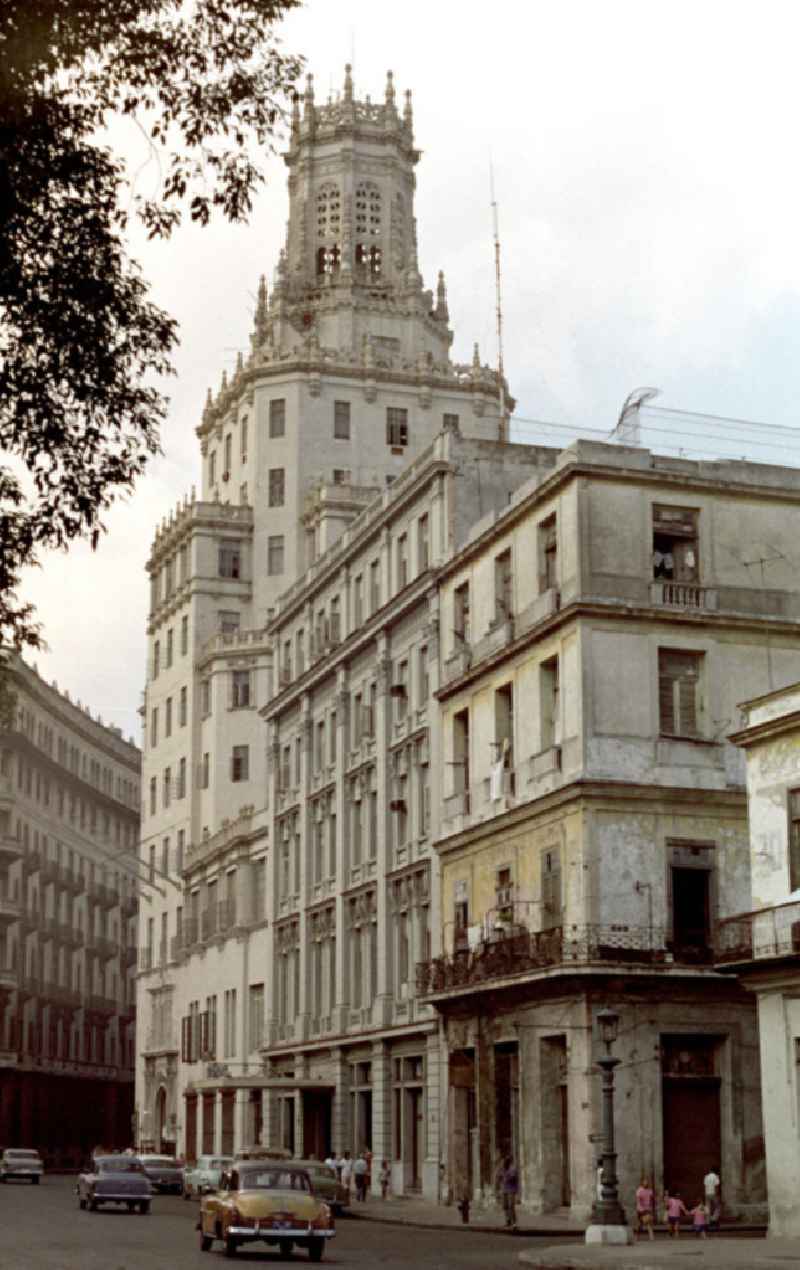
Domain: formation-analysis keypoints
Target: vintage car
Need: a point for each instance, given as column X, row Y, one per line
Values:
column 204, row 1175
column 114, row 1179
column 21, row 1163
column 163, row 1173
column 270, row 1201
column 325, row 1183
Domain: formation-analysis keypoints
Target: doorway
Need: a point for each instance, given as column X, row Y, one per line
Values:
column 691, row 1112
column 690, row 912
column 161, row 1119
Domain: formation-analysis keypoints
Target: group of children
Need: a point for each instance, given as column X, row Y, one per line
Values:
column 703, row 1214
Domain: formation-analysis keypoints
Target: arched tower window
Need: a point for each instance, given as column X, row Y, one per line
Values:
column 329, row 224
column 368, row 229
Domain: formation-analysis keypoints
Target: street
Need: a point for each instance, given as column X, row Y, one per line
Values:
column 43, row 1229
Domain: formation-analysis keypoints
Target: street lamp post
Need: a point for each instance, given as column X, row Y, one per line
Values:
column 608, row 1224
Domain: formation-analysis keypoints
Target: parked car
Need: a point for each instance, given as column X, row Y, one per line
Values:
column 114, row 1179
column 205, row 1174
column 269, row 1201
column 325, row 1183
column 21, row 1163
column 163, row 1173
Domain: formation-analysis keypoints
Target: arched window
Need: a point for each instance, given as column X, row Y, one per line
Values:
column 328, row 211
column 368, row 259
column 329, row 259
column 368, row 210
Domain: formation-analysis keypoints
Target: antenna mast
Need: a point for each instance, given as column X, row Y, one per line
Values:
column 503, row 428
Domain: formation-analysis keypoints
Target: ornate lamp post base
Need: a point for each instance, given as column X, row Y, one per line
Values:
column 608, row 1224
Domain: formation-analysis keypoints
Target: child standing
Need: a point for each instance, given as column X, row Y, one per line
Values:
column 700, row 1220
column 675, row 1210
column 645, row 1205
column 385, row 1178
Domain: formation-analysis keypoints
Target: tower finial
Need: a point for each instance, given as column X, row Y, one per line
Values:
column 295, row 113
column 441, row 299
column 476, row 358
column 348, row 82
column 309, row 96
column 408, row 114
column 262, row 313
column 389, row 89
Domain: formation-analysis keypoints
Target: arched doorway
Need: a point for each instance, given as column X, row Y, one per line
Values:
column 160, row 1119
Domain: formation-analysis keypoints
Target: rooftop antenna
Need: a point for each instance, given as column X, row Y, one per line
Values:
column 502, row 432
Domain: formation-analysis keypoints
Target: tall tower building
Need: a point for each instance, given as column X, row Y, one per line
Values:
column 348, row 379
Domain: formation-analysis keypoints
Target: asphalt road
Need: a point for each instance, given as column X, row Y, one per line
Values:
column 41, row 1228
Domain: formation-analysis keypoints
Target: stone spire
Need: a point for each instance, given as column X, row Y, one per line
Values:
column 390, row 106
column 441, row 299
column 262, row 314
column 348, row 83
column 408, row 114
column 309, row 99
column 295, row 115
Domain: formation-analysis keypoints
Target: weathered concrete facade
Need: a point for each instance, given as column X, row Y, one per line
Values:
column 762, row 946
column 69, row 828
column 594, row 820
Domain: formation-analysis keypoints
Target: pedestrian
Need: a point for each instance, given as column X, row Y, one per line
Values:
column 368, row 1158
column 645, row 1208
column 700, row 1220
column 510, row 1192
column 385, row 1178
column 675, row 1210
column 346, row 1175
column 360, row 1177
column 498, row 1179
column 331, row 1162
column 711, row 1185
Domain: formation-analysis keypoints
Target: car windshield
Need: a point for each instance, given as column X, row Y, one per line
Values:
column 23, row 1155
column 273, row 1180
column 158, row 1162
column 118, row 1164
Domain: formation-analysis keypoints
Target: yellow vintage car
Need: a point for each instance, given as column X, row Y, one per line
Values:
column 270, row 1201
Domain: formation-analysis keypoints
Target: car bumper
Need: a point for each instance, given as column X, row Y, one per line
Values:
column 27, row 1174
column 108, row 1198
column 278, row 1232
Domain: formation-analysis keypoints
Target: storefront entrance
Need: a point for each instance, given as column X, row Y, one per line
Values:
column 691, row 1113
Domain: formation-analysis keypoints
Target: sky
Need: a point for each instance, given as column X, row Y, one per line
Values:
column 644, row 159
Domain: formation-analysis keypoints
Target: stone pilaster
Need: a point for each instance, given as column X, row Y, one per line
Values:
column 381, row 1110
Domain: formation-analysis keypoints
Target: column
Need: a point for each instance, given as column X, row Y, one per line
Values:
column 306, row 870
column 243, row 1131
column 381, row 1111
column 383, row 723
column 339, row 1008
column 340, row 1112
column 271, row 1131
column 435, row 1129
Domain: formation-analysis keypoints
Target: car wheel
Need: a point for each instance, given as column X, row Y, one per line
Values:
column 205, row 1242
column 144, row 1207
column 316, row 1249
column 230, row 1246
column 285, row 1248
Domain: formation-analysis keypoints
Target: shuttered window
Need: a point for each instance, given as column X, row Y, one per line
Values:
column 551, row 888
column 679, row 677
column 794, row 838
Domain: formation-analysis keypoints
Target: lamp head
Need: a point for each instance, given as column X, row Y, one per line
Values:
column 608, row 1023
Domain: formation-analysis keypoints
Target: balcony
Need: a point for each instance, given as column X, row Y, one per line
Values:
column 105, row 896
column 684, row 595
column 457, row 665
column 9, row 979
column 50, row 872
column 145, row 959
column 31, row 862
column 57, row 994
column 129, row 957
column 129, row 906
column 10, row 849
column 499, row 634
column 10, row 910
column 101, row 1005
column 762, row 935
column 512, row 951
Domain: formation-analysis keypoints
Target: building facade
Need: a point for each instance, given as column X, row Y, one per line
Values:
column 596, row 639
column 69, row 832
column 348, row 381
column 762, row 945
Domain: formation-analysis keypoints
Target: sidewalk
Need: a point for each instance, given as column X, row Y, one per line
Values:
column 717, row 1251
column 400, row 1211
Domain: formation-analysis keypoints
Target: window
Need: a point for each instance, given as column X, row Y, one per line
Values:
column 550, row 882
column 399, row 691
column 184, row 636
column 153, row 795
column 181, row 792
column 277, row 417
column 319, row 745
column 300, row 652
column 794, row 839
column 402, row 561
column 240, row 689
column 275, row 554
column 229, row 621
column 461, row 752
column 183, row 707
column 243, row 439
column 675, row 554
column 243, row 494
column 461, row 613
column 230, row 560
column 169, row 658
column 423, row 678
column 156, row 659
column 168, row 717
column 228, row 450
column 504, row 729
column 341, row 420
column 212, row 468
column 205, row 771
column 358, row 600
column 205, row 698
column 165, row 856
column 256, row 1019
column 396, row 427
column 277, row 486
column 679, row 692
column 450, row 422
column 423, row 549
column 548, row 554
column 503, row 587
column 240, row 763
column 549, row 695
column 375, row 586
column 179, row 849
column 342, row 476
column 154, row 726
column 167, row 787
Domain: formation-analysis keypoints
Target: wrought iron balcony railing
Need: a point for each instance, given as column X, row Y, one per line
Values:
column 755, row 936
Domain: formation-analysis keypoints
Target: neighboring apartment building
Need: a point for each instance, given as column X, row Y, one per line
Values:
column 596, row 639
column 762, row 945
column 349, row 379
column 351, row 1055
column 69, row 831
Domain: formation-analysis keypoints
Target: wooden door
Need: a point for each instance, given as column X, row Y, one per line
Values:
column 691, row 1131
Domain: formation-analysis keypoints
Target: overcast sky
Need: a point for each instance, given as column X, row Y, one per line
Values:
column 645, row 160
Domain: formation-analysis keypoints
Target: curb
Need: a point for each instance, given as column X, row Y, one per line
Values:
column 527, row 1232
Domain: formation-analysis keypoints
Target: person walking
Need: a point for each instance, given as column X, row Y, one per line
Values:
column 510, row 1192
column 346, row 1175
column 700, row 1220
column 645, row 1208
column 360, row 1177
column 675, row 1210
column 711, row 1185
column 385, row 1178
